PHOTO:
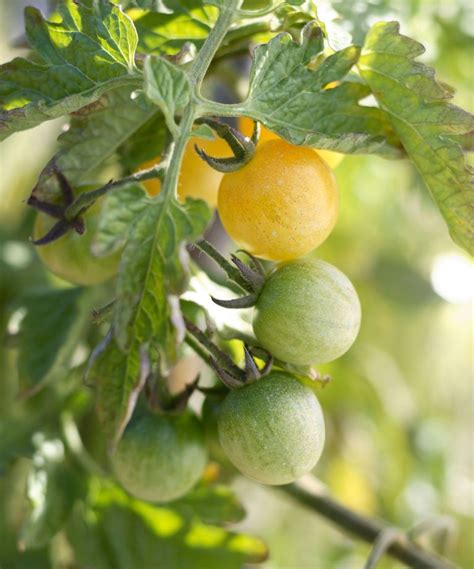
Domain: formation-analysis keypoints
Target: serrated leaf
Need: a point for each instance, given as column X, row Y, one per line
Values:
column 167, row 86
column 292, row 99
column 53, row 487
column 429, row 126
column 96, row 132
column 145, row 321
column 87, row 52
column 152, row 271
column 114, row 530
column 120, row 208
column 172, row 24
column 49, row 333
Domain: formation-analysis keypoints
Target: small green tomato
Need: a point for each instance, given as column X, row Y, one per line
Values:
column 160, row 457
column 308, row 312
column 272, row 430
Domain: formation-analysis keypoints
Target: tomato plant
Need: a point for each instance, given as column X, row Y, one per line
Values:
column 160, row 458
column 282, row 204
column 115, row 397
column 307, row 313
column 273, row 429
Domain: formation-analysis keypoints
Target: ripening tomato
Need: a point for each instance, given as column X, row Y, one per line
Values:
column 70, row 257
column 160, row 456
column 197, row 179
column 333, row 159
column 280, row 205
column 272, row 430
column 307, row 313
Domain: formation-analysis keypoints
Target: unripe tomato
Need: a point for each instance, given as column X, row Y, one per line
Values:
column 273, row 429
column 196, row 179
column 70, row 257
column 282, row 204
column 307, row 313
column 160, row 457
column 333, row 159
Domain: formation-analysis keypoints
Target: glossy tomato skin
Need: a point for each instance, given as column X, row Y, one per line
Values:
column 70, row 257
column 160, row 457
column 308, row 312
column 272, row 430
column 332, row 159
column 196, row 179
column 282, row 204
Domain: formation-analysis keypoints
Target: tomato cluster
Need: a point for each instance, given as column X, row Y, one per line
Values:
column 279, row 206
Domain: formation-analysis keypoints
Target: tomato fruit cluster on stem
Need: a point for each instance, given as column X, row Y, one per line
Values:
column 272, row 430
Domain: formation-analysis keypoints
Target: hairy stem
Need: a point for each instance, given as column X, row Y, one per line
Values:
column 367, row 529
column 232, row 272
column 196, row 76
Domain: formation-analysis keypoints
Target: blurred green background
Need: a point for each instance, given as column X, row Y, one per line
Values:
column 399, row 407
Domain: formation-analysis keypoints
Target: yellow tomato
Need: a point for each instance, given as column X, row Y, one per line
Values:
column 282, row 204
column 197, row 179
column 246, row 127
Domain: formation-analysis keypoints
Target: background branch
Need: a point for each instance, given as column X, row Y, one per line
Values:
column 368, row 529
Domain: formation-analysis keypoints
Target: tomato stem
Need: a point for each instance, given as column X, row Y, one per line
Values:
column 232, row 272
column 196, row 77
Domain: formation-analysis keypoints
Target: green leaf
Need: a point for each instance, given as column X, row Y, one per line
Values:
column 167, row 86
column 288, row 93
column 117, row 379
column 119, row 210
column 49, row 333
column 152, row 272
column 53, row 487
column 114, row 530
column 212, row 505
column 172, row 24
column 86, row 53
column 146, row 143
column 419, row 110
column 39, row 413
column 98, row 131
column 147, row 317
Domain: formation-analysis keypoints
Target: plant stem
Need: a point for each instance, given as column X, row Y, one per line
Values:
column 221, row 357
column 196, row 76
column 232, row 272
column 86, row 199
column 212, row 108
column 367, row 529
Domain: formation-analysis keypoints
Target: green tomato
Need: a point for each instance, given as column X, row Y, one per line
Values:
column 272, row 430
column 70, row 257
column 307, row 313
column 160, row 457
